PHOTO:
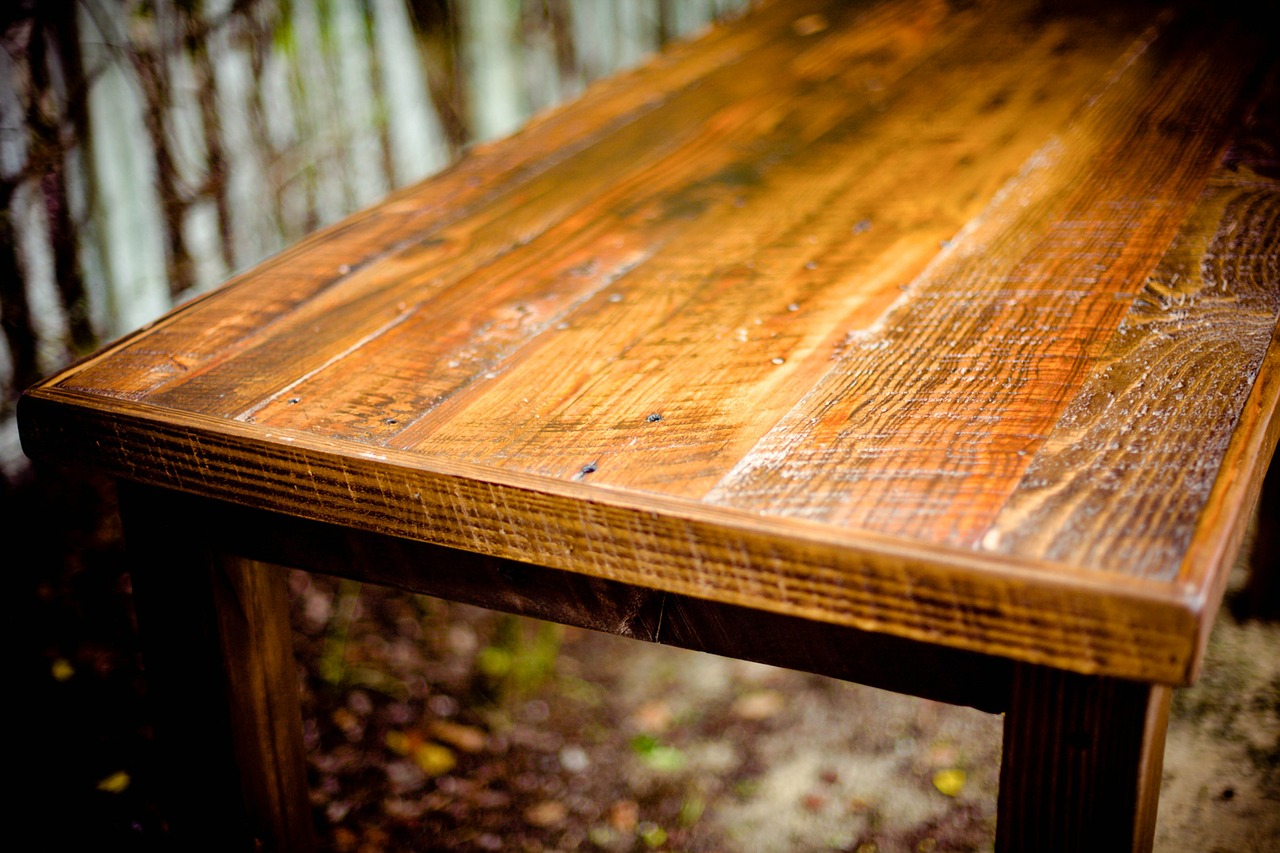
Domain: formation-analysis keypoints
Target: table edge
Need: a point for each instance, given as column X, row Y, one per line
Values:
column 1206, row 567
column 1073, row 618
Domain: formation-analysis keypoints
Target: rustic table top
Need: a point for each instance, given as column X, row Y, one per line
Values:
column 958, row 324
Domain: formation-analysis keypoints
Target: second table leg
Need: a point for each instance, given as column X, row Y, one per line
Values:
column 1082, row 763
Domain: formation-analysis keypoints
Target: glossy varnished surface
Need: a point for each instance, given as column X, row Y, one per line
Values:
column 957, row 324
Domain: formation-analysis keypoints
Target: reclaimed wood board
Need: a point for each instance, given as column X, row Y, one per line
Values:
column 951, row 322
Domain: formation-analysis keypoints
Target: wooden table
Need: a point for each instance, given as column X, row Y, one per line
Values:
column 931, row 348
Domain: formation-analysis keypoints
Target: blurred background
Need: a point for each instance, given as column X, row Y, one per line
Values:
column 149, row 149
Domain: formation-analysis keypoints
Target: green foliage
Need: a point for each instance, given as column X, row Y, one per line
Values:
column 333, row 665
column 657, row 755
column 283, row 35
column 521, row 658
column 692, row 808
column 651, row 834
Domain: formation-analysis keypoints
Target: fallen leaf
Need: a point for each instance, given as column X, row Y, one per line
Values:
column 813, row 802
column 344, row 840
column 62, row 670
column 404, row 776
column 434, row 759
column 949, row 782
column 624, row 815
column 348, row 723
column 652, row 717
column 465, row 738
column 546, row 813
column 603, row 836
column 759, row 705
column 402, row 809
column 652, row 834
column 116, row 783
column 574, row 759
column 375, row 840
column 398, row 742
column 691, row 809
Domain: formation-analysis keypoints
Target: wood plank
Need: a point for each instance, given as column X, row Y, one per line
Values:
column 928, row 423
column 262, row 348
column 223, row 682
column 1094, row 622
column 234, row 316
column 932, row 345
column 601, row 605
column 1081, row 765
column 1236, row 492
column 897, row 424
column 876, row 660
column 627, row 208
column 1127, row 471
column 723, row 330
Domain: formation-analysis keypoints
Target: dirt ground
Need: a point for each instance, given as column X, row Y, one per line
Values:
column 433, row 726
column 620, row 745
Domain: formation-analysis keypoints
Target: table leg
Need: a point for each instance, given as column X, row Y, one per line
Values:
column 218, row 656
column 1260, row 597
column 1082, row 763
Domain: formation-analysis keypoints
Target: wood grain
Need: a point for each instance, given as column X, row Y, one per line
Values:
column 1135, row 454
column 1081, row 764
column 239, row 357
column 950, row 322
column 721, row 333
column 232, row 319
column 223, row 684
column 929, row 420
column 986, row 603
column 638, row 612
